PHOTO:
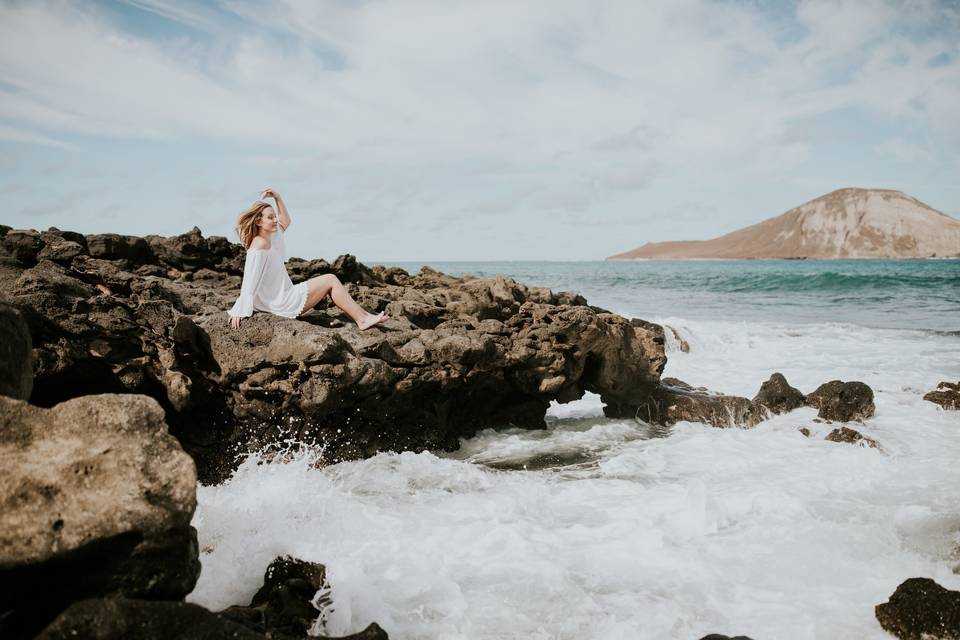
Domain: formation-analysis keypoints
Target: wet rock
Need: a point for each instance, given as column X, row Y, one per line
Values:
column 284, row 603
column 96, row 498
column 16, row 360
column 805, row 431
column 921, row 609
column 851, row 436
column 842, row 401
column 947, row 395
column 679, row 402
column 776, row 396
column 125, row 619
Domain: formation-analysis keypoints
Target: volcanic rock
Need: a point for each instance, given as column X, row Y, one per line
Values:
column 921, row 609
column 676, row 401
column 947, row 395
column 95, row 498
column 124, row 619
column 148, row 315
column 284, row 603
column 842, row 401
column 16, row 368
column 851, row 436
column 776, row 396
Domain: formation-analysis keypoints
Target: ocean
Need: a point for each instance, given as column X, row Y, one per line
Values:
column 609, row 529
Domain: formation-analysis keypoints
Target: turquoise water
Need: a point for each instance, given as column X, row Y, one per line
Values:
column 901, row 294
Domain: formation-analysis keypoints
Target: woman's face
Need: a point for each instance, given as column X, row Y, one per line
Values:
column 268, row 220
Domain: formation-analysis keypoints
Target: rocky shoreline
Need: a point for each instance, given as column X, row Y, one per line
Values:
column 117, row 359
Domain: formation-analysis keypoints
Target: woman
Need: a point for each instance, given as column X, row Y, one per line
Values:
column 266, row 284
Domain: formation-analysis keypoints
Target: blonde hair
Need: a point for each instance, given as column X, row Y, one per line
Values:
column 248, row 221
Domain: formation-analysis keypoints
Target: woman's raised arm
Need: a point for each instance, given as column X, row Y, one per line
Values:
column 283, row 217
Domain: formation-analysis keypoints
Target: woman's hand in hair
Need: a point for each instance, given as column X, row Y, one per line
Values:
column 269, row 193
column 235, row 322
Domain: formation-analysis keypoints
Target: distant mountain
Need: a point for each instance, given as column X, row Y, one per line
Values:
column 847, row 223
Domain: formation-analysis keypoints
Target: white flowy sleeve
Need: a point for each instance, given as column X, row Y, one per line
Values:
column 253, row 270
column 278, row 242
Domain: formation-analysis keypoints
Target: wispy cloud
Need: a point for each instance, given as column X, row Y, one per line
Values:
column 412, row 109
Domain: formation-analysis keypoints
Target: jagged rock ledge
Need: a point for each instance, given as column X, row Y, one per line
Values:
column 123, row 314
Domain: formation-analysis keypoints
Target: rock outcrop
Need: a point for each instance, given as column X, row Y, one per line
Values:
column 125, row 619
column 851, row 436
column 121, row 314
column 847, row 223
column 921, row 609
column 96, row 498
column 776, row 396
column 284, row 604
column 947, row 395
column 16, row 367
column 840, row 401
column 676, row 401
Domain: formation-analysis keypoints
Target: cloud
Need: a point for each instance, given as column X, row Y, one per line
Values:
column 903, row 150
column 385, row 111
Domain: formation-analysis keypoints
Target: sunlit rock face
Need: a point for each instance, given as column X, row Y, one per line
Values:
column 123, row 314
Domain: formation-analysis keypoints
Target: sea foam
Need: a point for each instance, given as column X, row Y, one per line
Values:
column 599, row 528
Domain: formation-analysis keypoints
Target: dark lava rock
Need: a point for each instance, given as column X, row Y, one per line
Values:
column 921, row 609
column 16, row 360
column 947, row 395
column 23, row 245
column 676, row 401
column 842, row 401
column 96, row 498
column 776, row 396
column 283, row 604
column 122, row 314
column 123, row 619
column 851, row 436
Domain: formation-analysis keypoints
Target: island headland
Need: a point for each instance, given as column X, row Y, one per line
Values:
column 844, row 224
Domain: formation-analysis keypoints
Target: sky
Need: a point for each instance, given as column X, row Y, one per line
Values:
column 470, row 130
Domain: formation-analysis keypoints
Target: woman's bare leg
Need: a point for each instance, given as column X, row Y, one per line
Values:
column 321, row 286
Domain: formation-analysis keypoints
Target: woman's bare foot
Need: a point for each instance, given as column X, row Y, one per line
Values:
column 372, row 319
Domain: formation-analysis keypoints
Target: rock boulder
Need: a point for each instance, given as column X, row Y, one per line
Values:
column 95, row 498
column 842, row 401
column 777, row 396
column 947, row 395
column 921, row 609
column 125, row 619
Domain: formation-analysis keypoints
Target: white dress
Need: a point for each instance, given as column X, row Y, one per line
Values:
column 266, row 284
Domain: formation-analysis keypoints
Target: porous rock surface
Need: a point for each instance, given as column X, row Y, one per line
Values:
column 16, row 367
column 921, row 609
column 126, row 619
column 851, row 436
column 96, row 498
column 284, row 603
column 842, row 401
column 776, row 396
column 947, row 395
column 123, row 314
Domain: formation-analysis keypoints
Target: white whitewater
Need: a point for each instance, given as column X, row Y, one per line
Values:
column 633, row 532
